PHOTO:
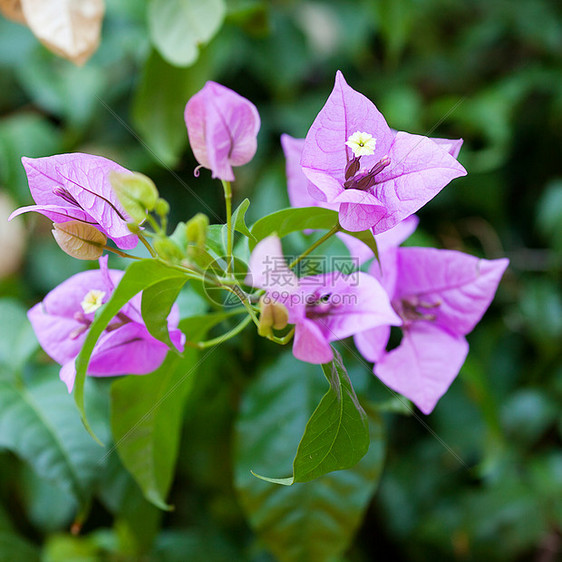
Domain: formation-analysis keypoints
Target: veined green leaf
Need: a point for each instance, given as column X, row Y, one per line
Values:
column 311, row 521
column 40, row 424
column 337, row 434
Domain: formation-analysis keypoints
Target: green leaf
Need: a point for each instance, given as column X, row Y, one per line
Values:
column 14, row 548
column 17, row 339
column 239, row 220
column 157, row 111
column 40, row 424
column 146, row 420
column 156, row 304
column 178, row 27
column 285, row 221
column 337, row 434
column 139, row 275
column 136, row 521
column 216, row 239
column 312, row 521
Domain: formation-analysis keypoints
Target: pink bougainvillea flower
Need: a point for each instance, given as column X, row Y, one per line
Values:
column 68, row 187
column 377, row 176
column 323, row 308
column 222, row 127
column 299, row 189
column 61, row 322
column 440, row 296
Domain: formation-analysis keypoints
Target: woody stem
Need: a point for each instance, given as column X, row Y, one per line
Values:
column 329, row 234
column 120, row 253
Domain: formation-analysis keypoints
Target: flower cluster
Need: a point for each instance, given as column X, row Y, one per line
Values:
column 370, row 176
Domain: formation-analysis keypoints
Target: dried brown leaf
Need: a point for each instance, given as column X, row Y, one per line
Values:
column 79, row 240
column 12, row 10
column 69, row 28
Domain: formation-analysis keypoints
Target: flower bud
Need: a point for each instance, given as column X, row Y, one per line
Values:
column 162, row 207
column 273, row 315
column 196, row 230
column 167, row 249
column 79, row 240
column 136, row 192
column 222, row 127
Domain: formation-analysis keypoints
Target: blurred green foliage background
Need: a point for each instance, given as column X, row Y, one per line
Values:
column 479, row 479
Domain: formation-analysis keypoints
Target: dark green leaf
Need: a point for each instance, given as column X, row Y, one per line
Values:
column 146, row 420
column 311, row 521
column 337, row 434
column 139, row 275
column 285, row 221
column 158, row 110
column 40, row 424
column 14, row 548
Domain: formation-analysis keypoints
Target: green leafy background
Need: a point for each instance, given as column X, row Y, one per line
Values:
column 478, row 479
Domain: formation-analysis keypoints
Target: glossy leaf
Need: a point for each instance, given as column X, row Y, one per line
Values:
column 40, row 424
column 178, row 27
column 138, row 276
column 285, row 221
column 337, row 434
column 311, row 521
column 146, row 420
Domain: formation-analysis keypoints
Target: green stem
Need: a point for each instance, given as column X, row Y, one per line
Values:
column 155, row 226
column 147, row 245
column 231, row 333
column 236, row 290
column 283, row 340
column 228, row 201
column 330, row 233
column 120, row 253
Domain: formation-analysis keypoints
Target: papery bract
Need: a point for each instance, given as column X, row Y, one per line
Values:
column 222, row 127
column 440, row 296
column 76, row 186
column 323, row 308
column 378, row 187
column 61, row 322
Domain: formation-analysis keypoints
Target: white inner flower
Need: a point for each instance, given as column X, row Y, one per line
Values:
column 362, row 144
column 92, row 301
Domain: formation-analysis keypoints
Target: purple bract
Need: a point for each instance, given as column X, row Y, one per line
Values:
column 440, row 295
column 323, row 308
column 76, row 186
column 222, row 127
column 376, row 176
